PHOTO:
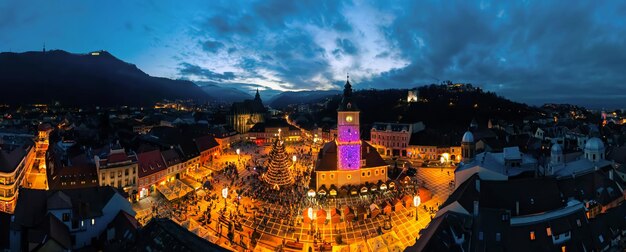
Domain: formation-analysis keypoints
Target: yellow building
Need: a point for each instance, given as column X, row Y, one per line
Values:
column 15, row 158
column 117, row 169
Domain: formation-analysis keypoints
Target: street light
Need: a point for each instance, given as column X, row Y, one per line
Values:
column 294, row 158
column 238, row 151
column 416, row 203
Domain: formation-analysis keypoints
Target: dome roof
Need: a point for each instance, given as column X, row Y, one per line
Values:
column 468, row 137
column 556, row 148
column 594, row 144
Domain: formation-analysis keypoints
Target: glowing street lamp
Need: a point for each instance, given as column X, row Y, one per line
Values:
column 416, row 203
column 294, row 159
column 238, row 151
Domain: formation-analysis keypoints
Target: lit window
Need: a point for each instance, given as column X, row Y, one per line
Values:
column 93, row 222
column 532, row 235
column 549, row 231
column 563, row 249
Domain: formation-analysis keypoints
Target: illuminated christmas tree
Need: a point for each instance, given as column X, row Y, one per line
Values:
column 278, row 171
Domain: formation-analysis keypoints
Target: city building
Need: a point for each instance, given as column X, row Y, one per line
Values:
column 17, row 155
column 152, row 170
column 208, row 147
column 118, row 169
column 70, row 172
column 243, row 115
column 499, row 166
column 64, row 220
column 266, row 132
column 348, row 161
column 225, row 135
column 501, row 203
column 152, row 237
column 392, row 139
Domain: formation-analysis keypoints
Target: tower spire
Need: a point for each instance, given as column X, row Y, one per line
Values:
column 257, row 96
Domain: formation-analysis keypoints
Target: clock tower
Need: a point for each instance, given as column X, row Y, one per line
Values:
column 348, row 132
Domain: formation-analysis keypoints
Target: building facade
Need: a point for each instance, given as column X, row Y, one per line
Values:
column 117, row 169
column 17, row 154
column 348, row 161
column 152, row 170
column 243, row 115
column 392, row 139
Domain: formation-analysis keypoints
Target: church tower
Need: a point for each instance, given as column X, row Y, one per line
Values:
column 468, row 147
column 348, row 132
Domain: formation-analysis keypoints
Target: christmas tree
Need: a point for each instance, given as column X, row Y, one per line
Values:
column 278, row 171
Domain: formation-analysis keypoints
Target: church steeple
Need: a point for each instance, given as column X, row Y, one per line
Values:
column 257, row 96
column 346, row 102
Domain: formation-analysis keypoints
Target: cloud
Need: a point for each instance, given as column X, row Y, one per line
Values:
column 211, row 46
column 346, row 46
column 187, row 69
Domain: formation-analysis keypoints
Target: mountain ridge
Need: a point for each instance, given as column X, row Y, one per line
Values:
column 95, row 78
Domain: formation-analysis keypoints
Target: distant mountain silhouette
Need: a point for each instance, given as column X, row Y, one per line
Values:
column 222, row 92
column 287, row 98
column 96, row 78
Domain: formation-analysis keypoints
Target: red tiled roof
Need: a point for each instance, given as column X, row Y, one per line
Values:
column 117, row 158
column 206, row 143
column 150, row 162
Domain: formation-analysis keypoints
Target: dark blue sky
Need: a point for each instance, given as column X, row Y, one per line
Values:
column 530, row 51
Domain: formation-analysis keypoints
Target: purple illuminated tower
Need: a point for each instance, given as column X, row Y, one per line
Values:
column 348, row 137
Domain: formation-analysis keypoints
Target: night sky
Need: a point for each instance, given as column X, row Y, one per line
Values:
column 529, row 51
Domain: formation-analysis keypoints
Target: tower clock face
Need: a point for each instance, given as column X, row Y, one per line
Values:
column 348, row 118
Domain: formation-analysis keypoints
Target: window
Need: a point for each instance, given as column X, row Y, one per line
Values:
column 480, row 235
column 66, row 217
column 498, row 237
column 376, row 172
column 323, row 176
column 578, row 222
column 332, row 176
column 93, row 222
column 532, row 235
column 362, row 174
column 549, row 231
column 563, row 249
column 349, row 177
